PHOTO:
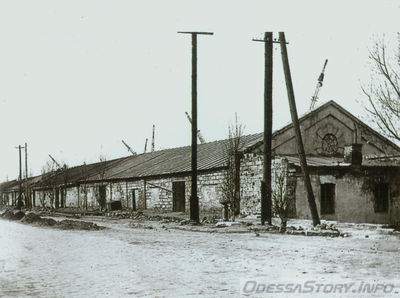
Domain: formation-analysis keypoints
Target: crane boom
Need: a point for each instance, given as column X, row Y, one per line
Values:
column 145, row 145
column 129, row 148
column 199, row 135
column 55, row 161
column 319, row 85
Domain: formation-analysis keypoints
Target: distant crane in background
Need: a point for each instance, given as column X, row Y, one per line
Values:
column 55, row 161
column 152, row 139
column 129, row 148
column 201, row 139
column 319, row 85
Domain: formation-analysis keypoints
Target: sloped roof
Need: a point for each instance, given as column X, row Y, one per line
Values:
column 14, row 184
column 77, row 174
column 210, row 156
column 8, row 185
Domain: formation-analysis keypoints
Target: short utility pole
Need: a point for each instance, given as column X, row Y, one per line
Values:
column 27, row 193
column 19, row 202
column 296, row 126
column 266, row 197
column 194, row 200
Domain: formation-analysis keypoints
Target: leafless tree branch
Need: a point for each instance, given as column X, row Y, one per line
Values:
column 383, row 93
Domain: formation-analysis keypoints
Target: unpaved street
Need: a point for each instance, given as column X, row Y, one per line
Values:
column 122, row 261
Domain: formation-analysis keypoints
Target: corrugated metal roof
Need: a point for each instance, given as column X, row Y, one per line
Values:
column 158, row 163
column 8, row 185
column 176, row 160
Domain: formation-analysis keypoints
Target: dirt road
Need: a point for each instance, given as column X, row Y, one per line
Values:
column 123, row 261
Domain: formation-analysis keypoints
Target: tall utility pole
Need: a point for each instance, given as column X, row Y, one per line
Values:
column 145, row 145
column 27, row 192
column 296, row 126
column 194, row 200
column 19, row 203
column 266, row 200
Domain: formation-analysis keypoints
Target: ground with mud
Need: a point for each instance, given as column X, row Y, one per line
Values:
column 146, row 258
column 32, row 218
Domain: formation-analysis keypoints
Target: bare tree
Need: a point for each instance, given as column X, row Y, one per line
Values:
column 100, row 196
column 84, row 185
column 65, row 180
column 42, row 200
column 231, row 183
column 280, row 201
column 383, row 93
column 48, row 170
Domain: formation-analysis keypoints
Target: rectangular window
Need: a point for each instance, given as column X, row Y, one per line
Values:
column 381, row 197
column 327, row 198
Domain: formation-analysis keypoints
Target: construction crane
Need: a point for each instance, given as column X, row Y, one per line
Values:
column 152, row 139
column 55, row 161
column 129, row 148
column 201, row 139
column 145, row 145
column 319, row 85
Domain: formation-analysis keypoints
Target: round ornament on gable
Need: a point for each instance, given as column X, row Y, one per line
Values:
column 330, row 144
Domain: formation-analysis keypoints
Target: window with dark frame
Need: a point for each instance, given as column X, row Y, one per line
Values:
column 381, row 194
column 327, row 198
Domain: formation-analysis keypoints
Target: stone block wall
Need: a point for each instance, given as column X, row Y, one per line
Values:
column 159, row 195
column 71, row 197
column 251, row 174
column 352, row 202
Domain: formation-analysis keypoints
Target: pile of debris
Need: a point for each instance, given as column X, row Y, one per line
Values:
column 35, row 219
column 325, row 230
column 11, row 215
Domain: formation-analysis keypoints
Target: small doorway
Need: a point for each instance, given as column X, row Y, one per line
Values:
column 178, row 196
column 133, row 199
column 57, row 198
column 102, row 196
column 327, row 198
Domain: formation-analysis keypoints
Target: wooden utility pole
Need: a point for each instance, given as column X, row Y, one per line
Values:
column 19, row 202
column 27, row 192
column 194, row 200
column 266, row 197
column 296, row 126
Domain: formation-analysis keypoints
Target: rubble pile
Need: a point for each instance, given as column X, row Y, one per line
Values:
column 11, row 215
column 324, row 230
column 35, row 219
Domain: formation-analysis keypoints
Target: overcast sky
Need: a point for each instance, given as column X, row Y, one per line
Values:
column 77, row 77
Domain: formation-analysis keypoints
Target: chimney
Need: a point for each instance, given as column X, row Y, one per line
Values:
column 353, row 154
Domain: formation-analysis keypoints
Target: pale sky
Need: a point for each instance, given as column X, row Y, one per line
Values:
column 77, row 77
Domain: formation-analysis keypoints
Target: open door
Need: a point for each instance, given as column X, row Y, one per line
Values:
column 178, row 196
